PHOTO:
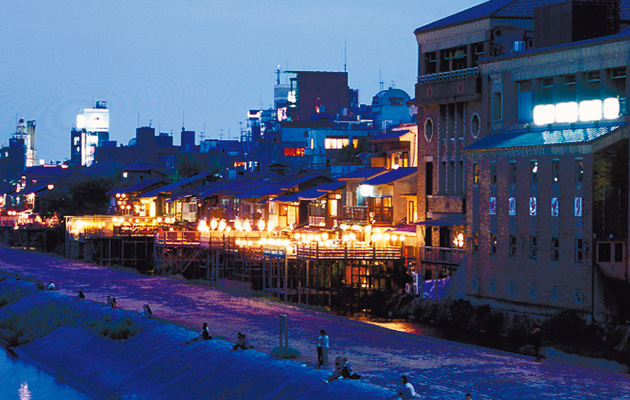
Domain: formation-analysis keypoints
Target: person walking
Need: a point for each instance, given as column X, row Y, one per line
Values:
column 322, row 349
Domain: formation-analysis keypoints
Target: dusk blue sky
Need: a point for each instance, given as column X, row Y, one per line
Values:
column 208, row 60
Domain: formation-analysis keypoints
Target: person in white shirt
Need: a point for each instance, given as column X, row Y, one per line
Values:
column 322, row 349
column 406, row 391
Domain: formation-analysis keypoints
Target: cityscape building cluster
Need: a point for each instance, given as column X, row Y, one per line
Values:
column 507, row 172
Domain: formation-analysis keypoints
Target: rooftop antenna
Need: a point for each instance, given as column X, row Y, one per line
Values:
column 202, row 134
column 220, row 134
column 344, row 55
column 380, row 79
column 278, row 74
column 150, row 123
column 183, row 119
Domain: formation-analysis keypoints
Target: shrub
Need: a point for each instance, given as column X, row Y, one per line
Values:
column 120, row 330
column 564, row 327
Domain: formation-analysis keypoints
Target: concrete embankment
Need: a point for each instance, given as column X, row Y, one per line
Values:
column 69, row 340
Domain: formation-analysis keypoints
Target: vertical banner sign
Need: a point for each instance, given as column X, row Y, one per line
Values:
column 554, row 206
column 512, row 206
column 578, row 207
column 532, row 206
column 493, row 205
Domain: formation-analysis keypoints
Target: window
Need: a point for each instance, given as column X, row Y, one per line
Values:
column 533, row 246
column 493, row 243
column 512, row 250
column 477, row 49
column 493, row 173
column 593, row 76
column 534, row 172
column 579, row 170
column 454, row 58
column 555, row 249
column 618, row 73
column 546, row 82
column 294, row 152
column 555, row 171
column 283, row 210
column 336, row 143
column 579, row 250
column 475, row 125
column 618, row 252
column 603, row 252
column 524, row 101
column 428, row 129
column 569, row 79
column 497, row 111
column 476, row 173
column 475, row 242
column 513, row 172
column 430, row 62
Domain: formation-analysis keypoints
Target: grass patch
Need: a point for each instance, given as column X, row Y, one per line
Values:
column 116, row 330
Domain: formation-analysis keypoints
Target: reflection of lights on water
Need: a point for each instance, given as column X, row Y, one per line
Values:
column 24, row 392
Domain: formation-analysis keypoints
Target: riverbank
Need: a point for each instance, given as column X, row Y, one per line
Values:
column 65, row 339
column 439, row 369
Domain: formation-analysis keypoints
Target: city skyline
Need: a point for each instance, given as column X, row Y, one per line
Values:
column 143, row 60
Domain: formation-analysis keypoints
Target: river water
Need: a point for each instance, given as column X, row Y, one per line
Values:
column 23, row 381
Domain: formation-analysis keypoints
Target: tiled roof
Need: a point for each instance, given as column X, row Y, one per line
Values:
column 175, row 185
column 134, row 188
column 492, row 8
column 538, row 138
column 299, row 179
column 389, row 136
column 391, row 176
column 364, row 173
column 263, row 190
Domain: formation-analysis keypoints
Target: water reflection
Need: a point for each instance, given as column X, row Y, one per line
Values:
column 23, row 381
column 24, row 393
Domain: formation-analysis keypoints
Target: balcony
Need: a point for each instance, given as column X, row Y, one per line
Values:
column 441, row 256
column 464, row 84
column 355, row 214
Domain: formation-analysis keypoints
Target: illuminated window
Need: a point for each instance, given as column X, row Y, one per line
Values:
column 555, row 171
column 475, row 173
column 475, row 242
column 579, row 170
column 534, row 172
column 493, row 243
column 336, row 143
column 294, row 152
column 332, row 208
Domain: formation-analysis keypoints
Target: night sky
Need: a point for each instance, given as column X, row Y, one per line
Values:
column 202, row 62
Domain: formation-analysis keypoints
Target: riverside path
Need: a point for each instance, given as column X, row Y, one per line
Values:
column 439, row 369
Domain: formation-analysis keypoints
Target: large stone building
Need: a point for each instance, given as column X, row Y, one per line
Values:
column 525, row 136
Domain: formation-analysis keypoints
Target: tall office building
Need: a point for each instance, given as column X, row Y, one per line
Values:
column 91, row 131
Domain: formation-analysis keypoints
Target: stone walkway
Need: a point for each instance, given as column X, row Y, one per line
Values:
column 439, row 369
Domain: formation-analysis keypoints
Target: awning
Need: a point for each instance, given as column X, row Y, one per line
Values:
column 443, row 222
column 406, row 229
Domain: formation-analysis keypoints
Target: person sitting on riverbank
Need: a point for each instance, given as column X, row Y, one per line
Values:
column 241, row 342
column 203, row 335
column 346, row 371
column 51, row 286
column 114, row 303
column 146, row 312
column 406, row 391
column 338, row 369
column 80, row 297
column 40, row 285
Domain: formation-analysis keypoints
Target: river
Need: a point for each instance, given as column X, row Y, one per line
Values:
column 23, row 381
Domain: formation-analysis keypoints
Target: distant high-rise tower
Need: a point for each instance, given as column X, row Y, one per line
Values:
column 26, row 132
column 92, row 129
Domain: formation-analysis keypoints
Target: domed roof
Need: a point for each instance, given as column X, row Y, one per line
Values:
column 391, row 96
